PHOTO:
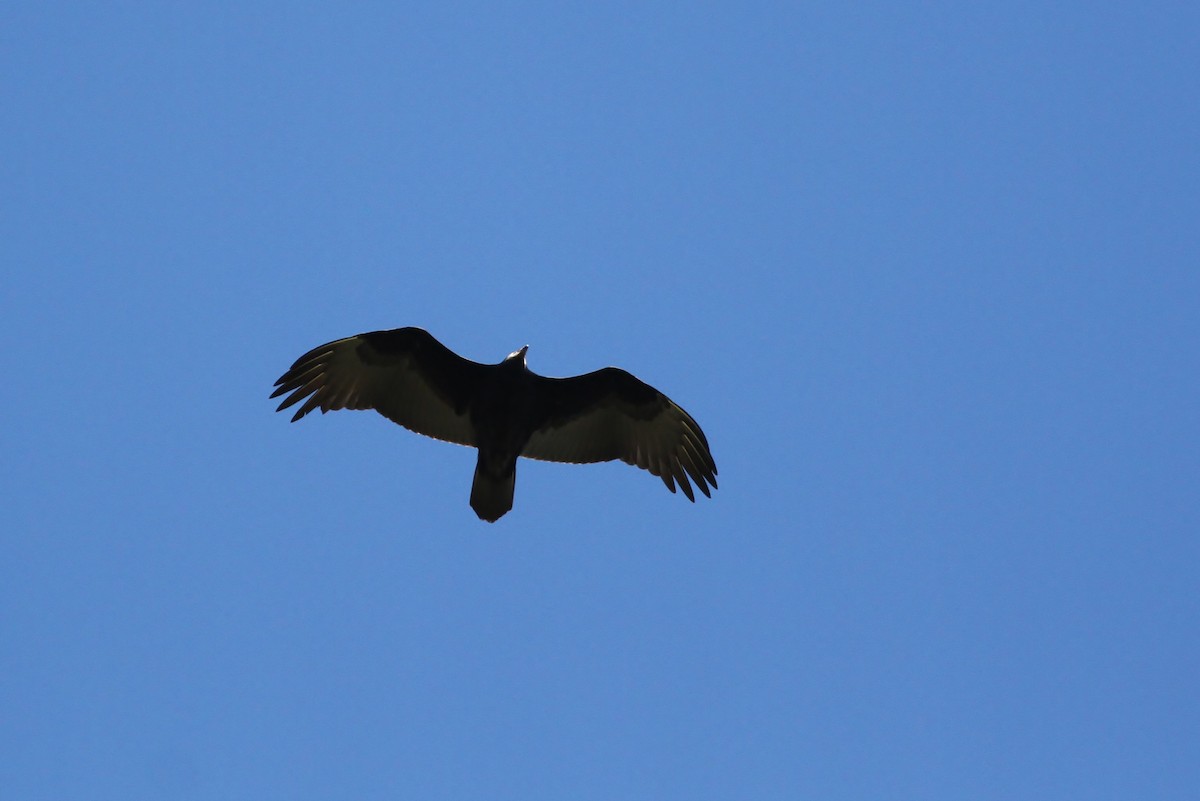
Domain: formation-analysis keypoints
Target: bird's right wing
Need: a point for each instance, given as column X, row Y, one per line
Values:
column 404, row 374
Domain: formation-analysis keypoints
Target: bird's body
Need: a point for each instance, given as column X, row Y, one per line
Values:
column 504, row 410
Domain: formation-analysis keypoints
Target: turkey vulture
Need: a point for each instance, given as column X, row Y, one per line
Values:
column 502, row 409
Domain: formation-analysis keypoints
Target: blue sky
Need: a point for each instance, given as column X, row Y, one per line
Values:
column 925, row 273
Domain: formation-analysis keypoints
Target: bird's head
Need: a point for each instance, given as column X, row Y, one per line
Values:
column 517, row 357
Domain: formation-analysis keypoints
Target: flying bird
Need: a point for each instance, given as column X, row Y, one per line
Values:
column 504, row 410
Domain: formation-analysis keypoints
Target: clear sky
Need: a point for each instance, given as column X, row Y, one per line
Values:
column 928, row 275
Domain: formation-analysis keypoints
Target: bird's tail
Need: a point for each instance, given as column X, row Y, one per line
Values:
column 492, row 491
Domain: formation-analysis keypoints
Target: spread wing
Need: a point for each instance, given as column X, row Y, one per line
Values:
column 404, row 374
column 609, row 414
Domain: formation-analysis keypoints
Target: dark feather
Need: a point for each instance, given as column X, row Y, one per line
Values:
column 406, row 375
column 610, row 414
column 504, row 410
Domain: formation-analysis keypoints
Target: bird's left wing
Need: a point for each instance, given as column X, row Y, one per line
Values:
column 404, row 374
column 610, row 414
